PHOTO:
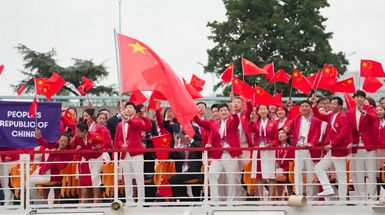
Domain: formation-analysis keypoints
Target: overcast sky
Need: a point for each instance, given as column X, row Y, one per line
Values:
column 175, row 29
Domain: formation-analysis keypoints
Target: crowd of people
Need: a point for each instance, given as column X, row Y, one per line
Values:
column 323, row 137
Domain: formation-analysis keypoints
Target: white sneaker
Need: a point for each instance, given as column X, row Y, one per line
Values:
column 327, row 192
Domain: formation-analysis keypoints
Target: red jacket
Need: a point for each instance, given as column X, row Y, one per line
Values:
column 159, row 121
column 312, row 136
column 232, row 137
column 271, row 132
column 13, row 157
column 337, row 135
column 52, row 159
column 381, row 135
column 136, row 126
column 93, row 139
column 367, row 127
column 204, row 131
column 283, row 157
column 245, row 121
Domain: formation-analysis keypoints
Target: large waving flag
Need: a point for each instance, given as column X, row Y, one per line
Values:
column 371, row 84
column 49, row 86
column 249, row 68
column 227, row 75
column 371, row 68
column 269, row 68
column 142, row 69
column 300, row 82
column 344, row 86
column 197, row 82
column 280, row 76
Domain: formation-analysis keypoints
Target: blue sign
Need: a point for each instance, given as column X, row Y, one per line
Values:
column 17, row 129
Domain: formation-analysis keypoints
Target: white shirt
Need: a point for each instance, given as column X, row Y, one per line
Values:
column 358, row 116
column 304, row 130
column 223, row 134
column 333, row 120
column 281, row 123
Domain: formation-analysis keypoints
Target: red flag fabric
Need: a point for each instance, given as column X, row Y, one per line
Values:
column 33, row 109
column 164, row 189
column 1, row 68
column 314, row 80
column 243, row 89
column 197, row 83
column 294, row 112
column 68, row 116
column 162, row 142
column 277, row 99
column 269, row 68
column 371, row 84
column 193, row 92
column 21, row 90
column 262, row 97
column 143, row 69
column 281, row 76
column 300, row 82
column 249, row 68
column 344, row 86
column 137, row 97
column 49, row 86
column 88, row 84
column 349, row 101
column 371, row 68
column 155, row 96
column 227, row 75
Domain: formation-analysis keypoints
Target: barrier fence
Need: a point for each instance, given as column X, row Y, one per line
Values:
column 219, row 182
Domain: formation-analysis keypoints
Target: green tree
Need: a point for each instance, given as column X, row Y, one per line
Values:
column 290, row 33
column 38, row 64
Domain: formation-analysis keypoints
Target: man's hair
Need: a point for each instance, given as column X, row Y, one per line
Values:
column 340, row 102
column 371, row 101
column 202, row 104
column 104, row 109
column 82, row 126
column 223, row 105
column 381, row 99
column 214, row 106
column 306, row 101
column 130, row 103
column 359, row 93
column 238, row 97
column 323, row 98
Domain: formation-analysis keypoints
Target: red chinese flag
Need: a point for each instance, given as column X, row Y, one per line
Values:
column 68, row 115
column 21, row 90
column 88, row 84
column 344, row 86
column 162, row 142
column 155, row 96
column 197, row 83
column 294, row 112
column 249, row 68
column 137, row 97
column 371, row 84
column 33, row 109
column 142, row 69
column 349, row 101
column 227, row 75
column 371, row 68
column 300, row 82
column 39, row 84
column 49, row 86
column 269, row 68
column 277, row 99
column 281, row 76
column 327, row 77
column 262, row 97
column 314, row 80
column 1, row 68
column 193, row 92
column 243, row 89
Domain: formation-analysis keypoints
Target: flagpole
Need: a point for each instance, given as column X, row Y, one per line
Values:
column 36, row 105
column 120, row 84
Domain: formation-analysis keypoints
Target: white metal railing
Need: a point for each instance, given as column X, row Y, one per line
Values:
column 51, row 195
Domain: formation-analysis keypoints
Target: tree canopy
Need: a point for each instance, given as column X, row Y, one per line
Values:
column 290, row 33
column 38, row 64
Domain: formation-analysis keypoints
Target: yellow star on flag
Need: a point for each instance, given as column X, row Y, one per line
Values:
column 137, row 48
column 295, row 74
column 236, row 82
column 247, row 62
column 164, row 140
column 40, row 82
column 349, row 81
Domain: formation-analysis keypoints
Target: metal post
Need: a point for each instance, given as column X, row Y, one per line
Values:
column 27, row 179
column 116, row 175
column 206, row 179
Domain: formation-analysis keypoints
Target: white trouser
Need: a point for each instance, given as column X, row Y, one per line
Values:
column 365, row 162
column 340, row 165
column 303, row 162
column 4, row 172
column 228, row 165
column 36, row 178
column 133, row 168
